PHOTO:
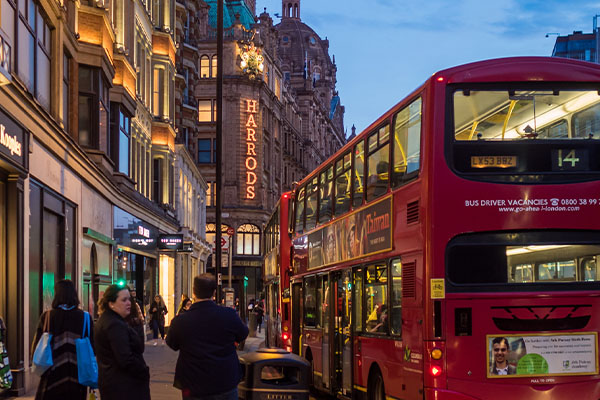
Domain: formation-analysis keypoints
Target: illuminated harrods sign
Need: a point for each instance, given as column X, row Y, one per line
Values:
column 251, row 161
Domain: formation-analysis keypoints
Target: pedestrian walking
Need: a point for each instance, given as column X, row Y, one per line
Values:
column 139, row 302
column 184, row 306
column 260, row 312
column 65, row 324
column 207, row 367
column 122, row 371
column 158, row 310
column 136, row 320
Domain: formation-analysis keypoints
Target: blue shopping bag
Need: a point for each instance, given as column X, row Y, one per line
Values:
column 87, row 367
column 42, row 357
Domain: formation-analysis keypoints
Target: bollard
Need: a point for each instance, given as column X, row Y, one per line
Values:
column 252, row 324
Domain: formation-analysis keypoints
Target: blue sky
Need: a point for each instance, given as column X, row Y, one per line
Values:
column 384, row 49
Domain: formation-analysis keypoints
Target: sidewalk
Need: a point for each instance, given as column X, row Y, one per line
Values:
column 161, row 360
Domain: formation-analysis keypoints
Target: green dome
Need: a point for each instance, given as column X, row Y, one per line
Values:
column 230, row 8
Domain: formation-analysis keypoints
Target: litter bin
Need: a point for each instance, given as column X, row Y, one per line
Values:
column 274, row 372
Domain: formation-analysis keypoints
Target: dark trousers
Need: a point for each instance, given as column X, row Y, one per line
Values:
column 156, row 326
column 231, row 395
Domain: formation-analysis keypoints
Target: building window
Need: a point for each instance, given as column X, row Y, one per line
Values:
column 186, row 28
column 93, row 111
column 158, row 92
column 213, row 67
column 186, row 90
column 157, row 180
column 248, row 240
column 204, row 67
column 32, row 46
column 121, row 140
column 207, row 110
column 66, row 90
column 210, row 195
column 206, row 151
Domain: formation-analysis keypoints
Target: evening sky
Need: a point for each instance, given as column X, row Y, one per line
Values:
column 384, row 49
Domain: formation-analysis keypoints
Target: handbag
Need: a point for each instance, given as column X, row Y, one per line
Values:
column 87, row 367
column 42, row 357
column 5, row 374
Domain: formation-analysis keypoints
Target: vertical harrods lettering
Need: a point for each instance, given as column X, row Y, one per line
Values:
column 251, row 157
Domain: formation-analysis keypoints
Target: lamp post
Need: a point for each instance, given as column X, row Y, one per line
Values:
column 218, row 199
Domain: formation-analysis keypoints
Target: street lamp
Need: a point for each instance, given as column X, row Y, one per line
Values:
column 218, row 199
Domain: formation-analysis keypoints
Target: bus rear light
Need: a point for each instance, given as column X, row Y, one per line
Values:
column 285, row 336
column 285, row 328
column 436, row 354
column 440, row 79
column 435, row 370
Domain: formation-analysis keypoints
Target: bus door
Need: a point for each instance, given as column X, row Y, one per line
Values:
column 342, row 340
column 326, row 340
column 296, row 320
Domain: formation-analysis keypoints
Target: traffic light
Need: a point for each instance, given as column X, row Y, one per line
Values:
column 245, row 281
column 121, row 283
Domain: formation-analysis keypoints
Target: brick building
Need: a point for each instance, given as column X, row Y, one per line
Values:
column 278, row 124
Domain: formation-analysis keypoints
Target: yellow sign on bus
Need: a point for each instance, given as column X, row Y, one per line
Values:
column 438, row 291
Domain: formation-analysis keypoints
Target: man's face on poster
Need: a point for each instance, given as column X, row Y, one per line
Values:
column 500, row 352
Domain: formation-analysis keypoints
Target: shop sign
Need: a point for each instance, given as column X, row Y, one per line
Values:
column 131, row 231
column 188, row 247
column 13, row 140
column 250, row 144
column 170, row 242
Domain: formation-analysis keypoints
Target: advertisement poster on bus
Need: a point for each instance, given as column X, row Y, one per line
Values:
column 542, row 355
column 362, row 233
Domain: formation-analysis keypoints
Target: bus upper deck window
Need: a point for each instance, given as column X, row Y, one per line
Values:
column 407, row 143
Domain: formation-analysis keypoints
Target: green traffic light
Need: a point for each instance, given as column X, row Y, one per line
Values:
column 121, row 283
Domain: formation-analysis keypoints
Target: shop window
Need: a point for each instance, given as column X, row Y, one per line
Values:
column 52, row 250
column 248, row 240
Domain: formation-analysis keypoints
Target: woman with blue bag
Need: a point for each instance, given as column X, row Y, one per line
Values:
column 64, row 326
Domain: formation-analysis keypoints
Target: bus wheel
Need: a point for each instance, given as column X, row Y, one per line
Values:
column 376, row 388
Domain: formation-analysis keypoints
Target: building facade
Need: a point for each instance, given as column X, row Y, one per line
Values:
column 579, row 45
column 91, row 181
column 276, row 128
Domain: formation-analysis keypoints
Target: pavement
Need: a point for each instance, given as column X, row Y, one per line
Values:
column 161, row 360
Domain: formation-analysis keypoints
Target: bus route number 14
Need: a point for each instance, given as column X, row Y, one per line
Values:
column 569, row 159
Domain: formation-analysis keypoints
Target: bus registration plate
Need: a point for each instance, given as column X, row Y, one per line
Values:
column 493, row 161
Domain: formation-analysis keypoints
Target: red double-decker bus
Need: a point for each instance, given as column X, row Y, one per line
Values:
column 450, row 251
column 277, row 268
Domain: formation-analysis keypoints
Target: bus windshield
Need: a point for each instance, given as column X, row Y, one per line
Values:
column 526, row 114
column 528, row 258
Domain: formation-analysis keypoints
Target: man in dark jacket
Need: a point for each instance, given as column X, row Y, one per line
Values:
column 208, row 365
